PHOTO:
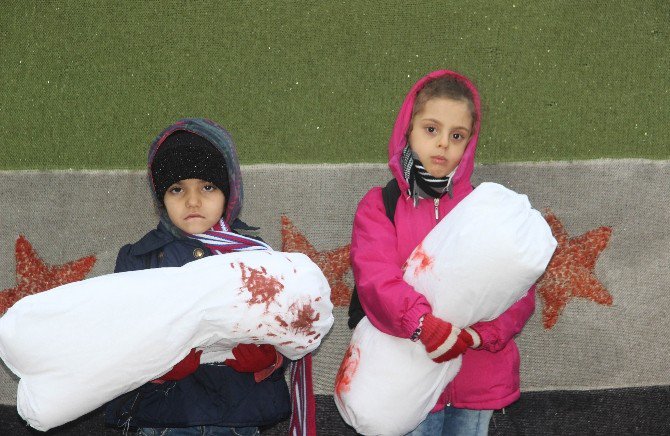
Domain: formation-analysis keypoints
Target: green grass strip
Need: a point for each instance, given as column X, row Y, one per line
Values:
column 87, row 84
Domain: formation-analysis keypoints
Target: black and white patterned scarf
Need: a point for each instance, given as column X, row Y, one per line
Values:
column 421, row 183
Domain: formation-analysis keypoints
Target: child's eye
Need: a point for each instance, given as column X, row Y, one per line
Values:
column 431, row 129
column 209, row 188
column 458, row 136
column 175, row 190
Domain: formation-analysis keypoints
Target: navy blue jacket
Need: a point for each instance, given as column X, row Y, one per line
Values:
column 215, row 394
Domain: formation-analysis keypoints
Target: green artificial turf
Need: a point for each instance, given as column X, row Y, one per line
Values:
column 88, row 84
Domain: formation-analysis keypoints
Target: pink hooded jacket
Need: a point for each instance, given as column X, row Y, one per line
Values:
column 489, row 376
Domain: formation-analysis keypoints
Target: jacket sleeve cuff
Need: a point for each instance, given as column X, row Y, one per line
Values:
column 489, row 337
column 410, row 320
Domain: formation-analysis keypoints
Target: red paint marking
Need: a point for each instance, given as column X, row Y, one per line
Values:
column 281, row 321
column 305, row 316
column 263, row 287
column 34, row 276
column 232, row 265
column 317, row 336
column 333, row 263
column 570, row 273
column 422, row 259
column 347, row 370
column 286, row 343
column 271, row 334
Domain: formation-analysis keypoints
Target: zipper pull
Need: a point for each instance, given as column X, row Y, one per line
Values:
column 436, row 201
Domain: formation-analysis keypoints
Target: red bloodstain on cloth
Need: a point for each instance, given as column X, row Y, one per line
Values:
column 570, row 272
column 347, row 370
column 334, row 263
column 304, row 318
column 281, row 321
column 34, row 276
column 421, row 259
column 263, row 287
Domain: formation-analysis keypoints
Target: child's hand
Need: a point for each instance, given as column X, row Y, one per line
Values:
column 262, row 360
column 183, row 368
column 442, row 340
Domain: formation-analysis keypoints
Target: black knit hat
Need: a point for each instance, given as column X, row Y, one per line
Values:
column 185, row 155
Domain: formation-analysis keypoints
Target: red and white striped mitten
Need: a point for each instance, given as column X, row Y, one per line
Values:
column 443, row 341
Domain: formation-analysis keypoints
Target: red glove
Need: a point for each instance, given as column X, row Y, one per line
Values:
column 186, row 366
column 442, row 340
column 262, row 360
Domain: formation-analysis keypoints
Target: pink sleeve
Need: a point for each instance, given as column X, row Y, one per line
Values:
column 391, row 305
column 497, row 333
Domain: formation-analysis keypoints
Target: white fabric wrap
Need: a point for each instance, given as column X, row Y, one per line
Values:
column 477, row 262
column 77, row 346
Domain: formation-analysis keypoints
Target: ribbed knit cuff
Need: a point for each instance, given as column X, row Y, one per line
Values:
column 476, row 339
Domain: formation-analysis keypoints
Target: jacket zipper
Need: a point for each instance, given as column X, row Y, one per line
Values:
column 436, row 202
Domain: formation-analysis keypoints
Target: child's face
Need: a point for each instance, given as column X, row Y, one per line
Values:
column 194, row 205
column 440, row 133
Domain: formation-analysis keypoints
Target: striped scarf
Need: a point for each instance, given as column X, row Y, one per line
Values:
column 220, row 240
column 417, row 176
column 433, row 186
column 303, row 405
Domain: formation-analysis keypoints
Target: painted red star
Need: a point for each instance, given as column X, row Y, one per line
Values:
column 570, row 272
column 334, row 263
column 33, row 275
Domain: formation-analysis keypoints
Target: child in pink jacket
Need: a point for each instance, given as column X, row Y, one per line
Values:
column 431, row 155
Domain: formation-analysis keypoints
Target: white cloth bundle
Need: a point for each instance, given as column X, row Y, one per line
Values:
column 77, row 346
column 479, row 260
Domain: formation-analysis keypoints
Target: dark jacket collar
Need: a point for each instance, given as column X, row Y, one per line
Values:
column 157, row 238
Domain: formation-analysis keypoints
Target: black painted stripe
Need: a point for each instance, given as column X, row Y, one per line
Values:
column 629, row 411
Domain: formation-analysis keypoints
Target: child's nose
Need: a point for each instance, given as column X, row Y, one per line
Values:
column 443, row 141
column 192, row 200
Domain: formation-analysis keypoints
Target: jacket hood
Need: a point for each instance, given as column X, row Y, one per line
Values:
column 223, row 142
column 399, row 135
